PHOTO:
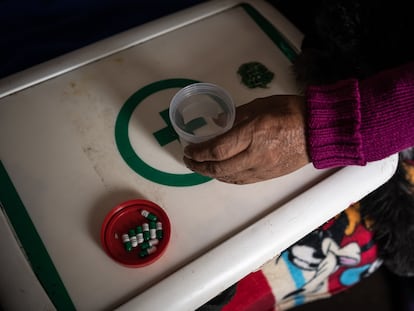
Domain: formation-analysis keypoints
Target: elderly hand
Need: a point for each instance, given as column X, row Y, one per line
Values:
column 267, row 141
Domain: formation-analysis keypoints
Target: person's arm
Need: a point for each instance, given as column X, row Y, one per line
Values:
column 348, row 123
column 354, row 122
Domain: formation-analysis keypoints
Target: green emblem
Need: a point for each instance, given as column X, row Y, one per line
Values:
column 255, row 74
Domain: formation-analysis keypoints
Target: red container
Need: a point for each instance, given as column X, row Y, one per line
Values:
column 128, row 216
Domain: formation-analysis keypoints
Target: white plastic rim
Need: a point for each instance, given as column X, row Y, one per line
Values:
column 201, row 89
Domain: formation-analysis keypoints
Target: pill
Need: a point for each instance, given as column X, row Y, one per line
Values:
column 159, row 231
column 127, row 242
column 140, row 235
column 152, row 229
column 146, row 233
column 149, row 244
column 133, row 238
column 148, row 215
column 147, row 252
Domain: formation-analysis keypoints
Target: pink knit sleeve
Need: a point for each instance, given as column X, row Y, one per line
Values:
column 354, row 122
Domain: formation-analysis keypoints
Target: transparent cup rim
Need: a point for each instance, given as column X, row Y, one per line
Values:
column 201, row 88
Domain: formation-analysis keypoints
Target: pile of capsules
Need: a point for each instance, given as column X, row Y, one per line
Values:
column 146, row 235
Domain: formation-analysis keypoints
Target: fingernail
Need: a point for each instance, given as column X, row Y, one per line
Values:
column 186, row 153
column 187, row 162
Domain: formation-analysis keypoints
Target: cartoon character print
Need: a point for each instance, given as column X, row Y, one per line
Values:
column 339, row 254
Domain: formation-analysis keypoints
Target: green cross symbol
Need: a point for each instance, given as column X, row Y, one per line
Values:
column 163, row 136
column 167, row 134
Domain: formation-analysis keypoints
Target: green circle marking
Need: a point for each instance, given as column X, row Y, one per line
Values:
column 127, row 151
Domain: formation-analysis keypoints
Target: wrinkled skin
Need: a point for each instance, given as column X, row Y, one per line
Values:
column 268, row 140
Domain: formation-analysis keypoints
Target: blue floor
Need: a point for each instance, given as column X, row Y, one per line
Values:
column 34, row 31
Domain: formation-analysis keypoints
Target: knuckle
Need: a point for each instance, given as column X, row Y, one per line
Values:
column 215, row 169
column 218, row 152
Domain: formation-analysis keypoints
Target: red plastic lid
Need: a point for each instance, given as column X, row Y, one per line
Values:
column 127, row 216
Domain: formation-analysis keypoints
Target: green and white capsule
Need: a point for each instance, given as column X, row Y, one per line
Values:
column 127, row 242
column 147, row 252
column 148, row 215
column 140, row 235
column 146, row 233
column 149, row 244
column 133, row 238
column 159, row 232
column 152, row 229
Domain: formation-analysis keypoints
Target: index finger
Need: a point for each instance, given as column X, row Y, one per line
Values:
column 220, row 148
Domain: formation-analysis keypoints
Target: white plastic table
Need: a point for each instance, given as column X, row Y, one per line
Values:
column 87, row 131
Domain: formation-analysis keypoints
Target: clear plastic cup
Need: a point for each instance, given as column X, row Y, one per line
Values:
column 201, row 111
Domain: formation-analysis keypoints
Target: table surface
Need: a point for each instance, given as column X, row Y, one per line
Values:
column 85, row 132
